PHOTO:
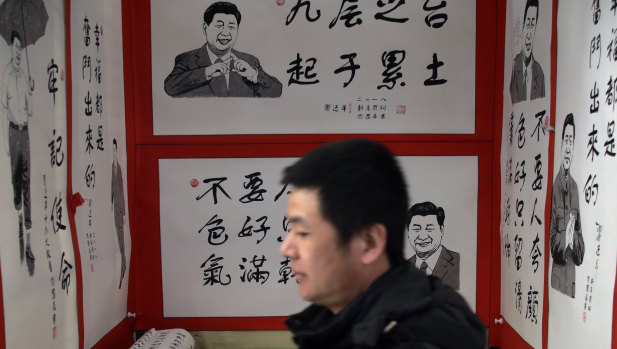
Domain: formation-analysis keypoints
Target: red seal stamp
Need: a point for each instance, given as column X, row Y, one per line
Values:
column 280, row 2
column 194, row 183
column 400, row 109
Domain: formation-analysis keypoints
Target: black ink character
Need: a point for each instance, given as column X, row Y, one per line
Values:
column 425, row 222
column 16, row 103
column 566, row 238
column 56, row 214
column 392, row 62
column 433, row 19
column 348, row 14
column 285, row 271
column 86, row 68
column 294, row 11
column 65, row 273
column 384, row 15
column 433, row 80
column 117, row 206
column 213, row 272
column 216, row 186
column 52, row 70
column 215, row 231
column 254, row 275
column 86, row 31
column 216, row 69
column 254, row 183
column 349, row 66
column 527, row 80
column 56, row 155
column 302, row 74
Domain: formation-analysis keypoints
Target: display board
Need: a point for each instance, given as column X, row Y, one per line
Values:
column 39, row 285
column 583, row 246
column 524, row 164
column 99, row 167
column 223, row 220
column 311, row 68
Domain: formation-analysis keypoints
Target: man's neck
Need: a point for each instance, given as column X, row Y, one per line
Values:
column 527, row 59
column 217, row 52
column 365, row 281
column 15, row 66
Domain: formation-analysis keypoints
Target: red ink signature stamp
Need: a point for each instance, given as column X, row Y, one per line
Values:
column 280, row 2
column 194, row 183
column 400, row 109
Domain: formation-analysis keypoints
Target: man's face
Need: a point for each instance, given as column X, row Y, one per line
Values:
column 425, row 233
column 567, row 143
column 222, row 32
column 16, row 51
column 529, row 29
column 325, row 271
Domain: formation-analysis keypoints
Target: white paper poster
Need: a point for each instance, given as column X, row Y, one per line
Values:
column 36, row 249
column 309, row 67
column 223, row 220
column 99, row 163
column 524, row 165
column 583, row 244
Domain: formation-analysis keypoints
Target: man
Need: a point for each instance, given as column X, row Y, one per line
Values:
column 527, row 80
column 117, row 206
column 425, row 224
column 216, row 69
column 347, row 214
column 17, row 109
column 566, row 238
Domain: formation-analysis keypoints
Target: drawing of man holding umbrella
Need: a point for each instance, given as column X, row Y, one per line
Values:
column 22, row 22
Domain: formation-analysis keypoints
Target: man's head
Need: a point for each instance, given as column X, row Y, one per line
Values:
column 530, row 20
column 347, row 217
column 221, row 21
column 425, row 223
column 16, row 47
column 567, row 142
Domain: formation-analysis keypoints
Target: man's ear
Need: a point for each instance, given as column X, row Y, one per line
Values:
column 203, row 27
column 374, row 239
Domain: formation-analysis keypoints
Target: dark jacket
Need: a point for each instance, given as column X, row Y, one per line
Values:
column 402, row 309
column 188, row 78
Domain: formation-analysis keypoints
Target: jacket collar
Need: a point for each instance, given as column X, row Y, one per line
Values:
column 361, row 322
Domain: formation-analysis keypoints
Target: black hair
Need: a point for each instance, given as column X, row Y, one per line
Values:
column 426, row 208
column 532, row 3
column 568, row 121
column 15, row 34
column 360, row 183
column 221, row 7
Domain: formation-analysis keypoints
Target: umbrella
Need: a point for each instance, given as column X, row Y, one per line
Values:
column 27, row 17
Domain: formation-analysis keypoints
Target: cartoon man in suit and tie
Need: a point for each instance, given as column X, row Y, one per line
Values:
column 425, row 223
column 216, row 69
column 527, row 80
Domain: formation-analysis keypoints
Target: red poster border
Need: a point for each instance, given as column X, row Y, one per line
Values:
column 148, row 279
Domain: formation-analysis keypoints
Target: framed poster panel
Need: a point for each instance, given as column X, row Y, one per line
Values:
column 369, row 77
column 214, row 261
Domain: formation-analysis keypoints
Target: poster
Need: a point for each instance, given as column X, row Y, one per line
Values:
column 99, row 163
column 36, row 249
column 524, row 165
column 223, row 220
column 302, row 67
column 583, row 245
